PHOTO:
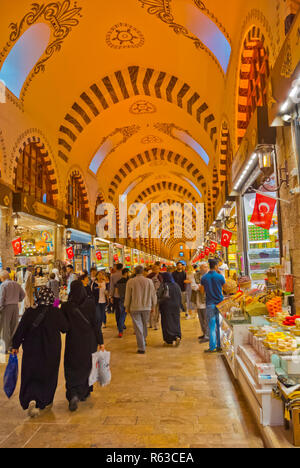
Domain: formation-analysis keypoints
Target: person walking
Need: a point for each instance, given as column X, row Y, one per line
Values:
column 113, row 292
column 71, row 276
column 190, row 306
column 200, row 301
column 169, row 299
column 179, row 276
column 121, row 286
column 39, row 333
column 140, row 300
column 100, row 294
column 213, row 283
column 53, row 284
column 11, row 294
column 157, row 280
column 83, row 339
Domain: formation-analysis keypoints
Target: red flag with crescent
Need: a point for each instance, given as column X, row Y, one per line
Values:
column 99, row 255
column 202, row 255
column 207, row 251
column 263, row 211
column 70, row 253
column 17, row 246
column 226, row 238
column 213, row 246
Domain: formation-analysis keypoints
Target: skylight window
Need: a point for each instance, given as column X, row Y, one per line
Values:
column 24, row 56
column 186, row 138
column 206, row 30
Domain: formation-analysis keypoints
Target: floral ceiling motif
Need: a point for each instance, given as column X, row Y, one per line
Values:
column 62, row 17
column 162, row 9
column 151, row 139
column 124, row 36
column 142, row 107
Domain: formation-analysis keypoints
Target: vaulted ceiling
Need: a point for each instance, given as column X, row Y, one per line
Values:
column 130, row 91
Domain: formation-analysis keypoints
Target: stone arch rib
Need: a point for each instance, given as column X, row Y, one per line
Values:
column 125, row 84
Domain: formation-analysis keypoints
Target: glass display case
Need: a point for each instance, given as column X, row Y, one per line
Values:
column 263, row 245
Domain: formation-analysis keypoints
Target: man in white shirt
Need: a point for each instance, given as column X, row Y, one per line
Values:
column 11, row 294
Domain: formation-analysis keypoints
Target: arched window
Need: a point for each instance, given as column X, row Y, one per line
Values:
column 254, row 74
column 77, row 198
column 33, row 175
column 24, row 56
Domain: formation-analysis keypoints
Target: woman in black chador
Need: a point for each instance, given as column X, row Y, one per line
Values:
column 83, row 339
column 39, row 333
column 169, row 296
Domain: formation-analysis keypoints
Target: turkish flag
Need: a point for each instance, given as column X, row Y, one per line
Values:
column 226, row 238
column 213, row 246
column 263, row 211
column 202, row 255
column 207, row 251
column 17, row 246
column 99, row 255
column 70, row 253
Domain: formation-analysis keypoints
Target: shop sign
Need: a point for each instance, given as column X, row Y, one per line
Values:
column 23, row 203
column 80, row 225
column 285, row 71
column 5, row 196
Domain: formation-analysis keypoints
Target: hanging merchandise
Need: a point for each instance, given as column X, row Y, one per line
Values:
column 263, row 211
column 207, row 251
column 17, row 246
column 202, row 255
column 70, row 253
column 98, row 255
column 213, row 246
column 116, row 258
column 226, row 238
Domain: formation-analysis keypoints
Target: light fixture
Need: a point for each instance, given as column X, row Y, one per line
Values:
column 16, row 219
column 68, row 235
column 265, row 159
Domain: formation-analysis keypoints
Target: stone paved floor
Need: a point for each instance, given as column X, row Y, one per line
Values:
column 171, row 397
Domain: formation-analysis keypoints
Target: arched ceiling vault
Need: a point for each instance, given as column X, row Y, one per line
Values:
column 131, row 92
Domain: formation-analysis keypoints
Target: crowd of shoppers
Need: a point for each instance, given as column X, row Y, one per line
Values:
column 151, row 297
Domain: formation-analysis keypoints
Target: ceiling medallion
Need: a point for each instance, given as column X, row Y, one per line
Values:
column 150, row 139
column 142, row 107
column 124, row 36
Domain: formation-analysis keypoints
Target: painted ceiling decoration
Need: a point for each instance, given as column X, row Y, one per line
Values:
column 109, row 145
column 123, row 85
column 124, row 36
column 61, row 17
column 163, row 9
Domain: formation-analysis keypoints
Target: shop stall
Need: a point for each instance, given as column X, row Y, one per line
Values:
column 35, row 233
column 128, row 257
column 102, row 253
column 79, row 238
column 116, row 254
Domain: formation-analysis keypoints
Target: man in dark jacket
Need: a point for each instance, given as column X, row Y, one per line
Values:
column 121, row 287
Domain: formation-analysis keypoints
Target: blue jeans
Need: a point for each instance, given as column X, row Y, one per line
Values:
column 100, row 315
column 121, row 317
column 213, row 320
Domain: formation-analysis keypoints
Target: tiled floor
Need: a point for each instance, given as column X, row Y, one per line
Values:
column 171, row 397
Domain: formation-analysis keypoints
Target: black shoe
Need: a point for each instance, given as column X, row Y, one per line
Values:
column 208, row 351
column 204, row 340
column 73, row 405
column 219, row 350
column 201, row 337
column 141, row 352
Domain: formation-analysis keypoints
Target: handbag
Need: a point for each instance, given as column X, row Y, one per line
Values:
column 11, row 376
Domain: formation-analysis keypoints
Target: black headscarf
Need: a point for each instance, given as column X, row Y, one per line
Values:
column 78, row 293
column 168, row 278
column 45, row 297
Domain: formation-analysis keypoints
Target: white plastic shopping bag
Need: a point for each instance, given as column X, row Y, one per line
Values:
column 104, row 375
column 94, row 376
